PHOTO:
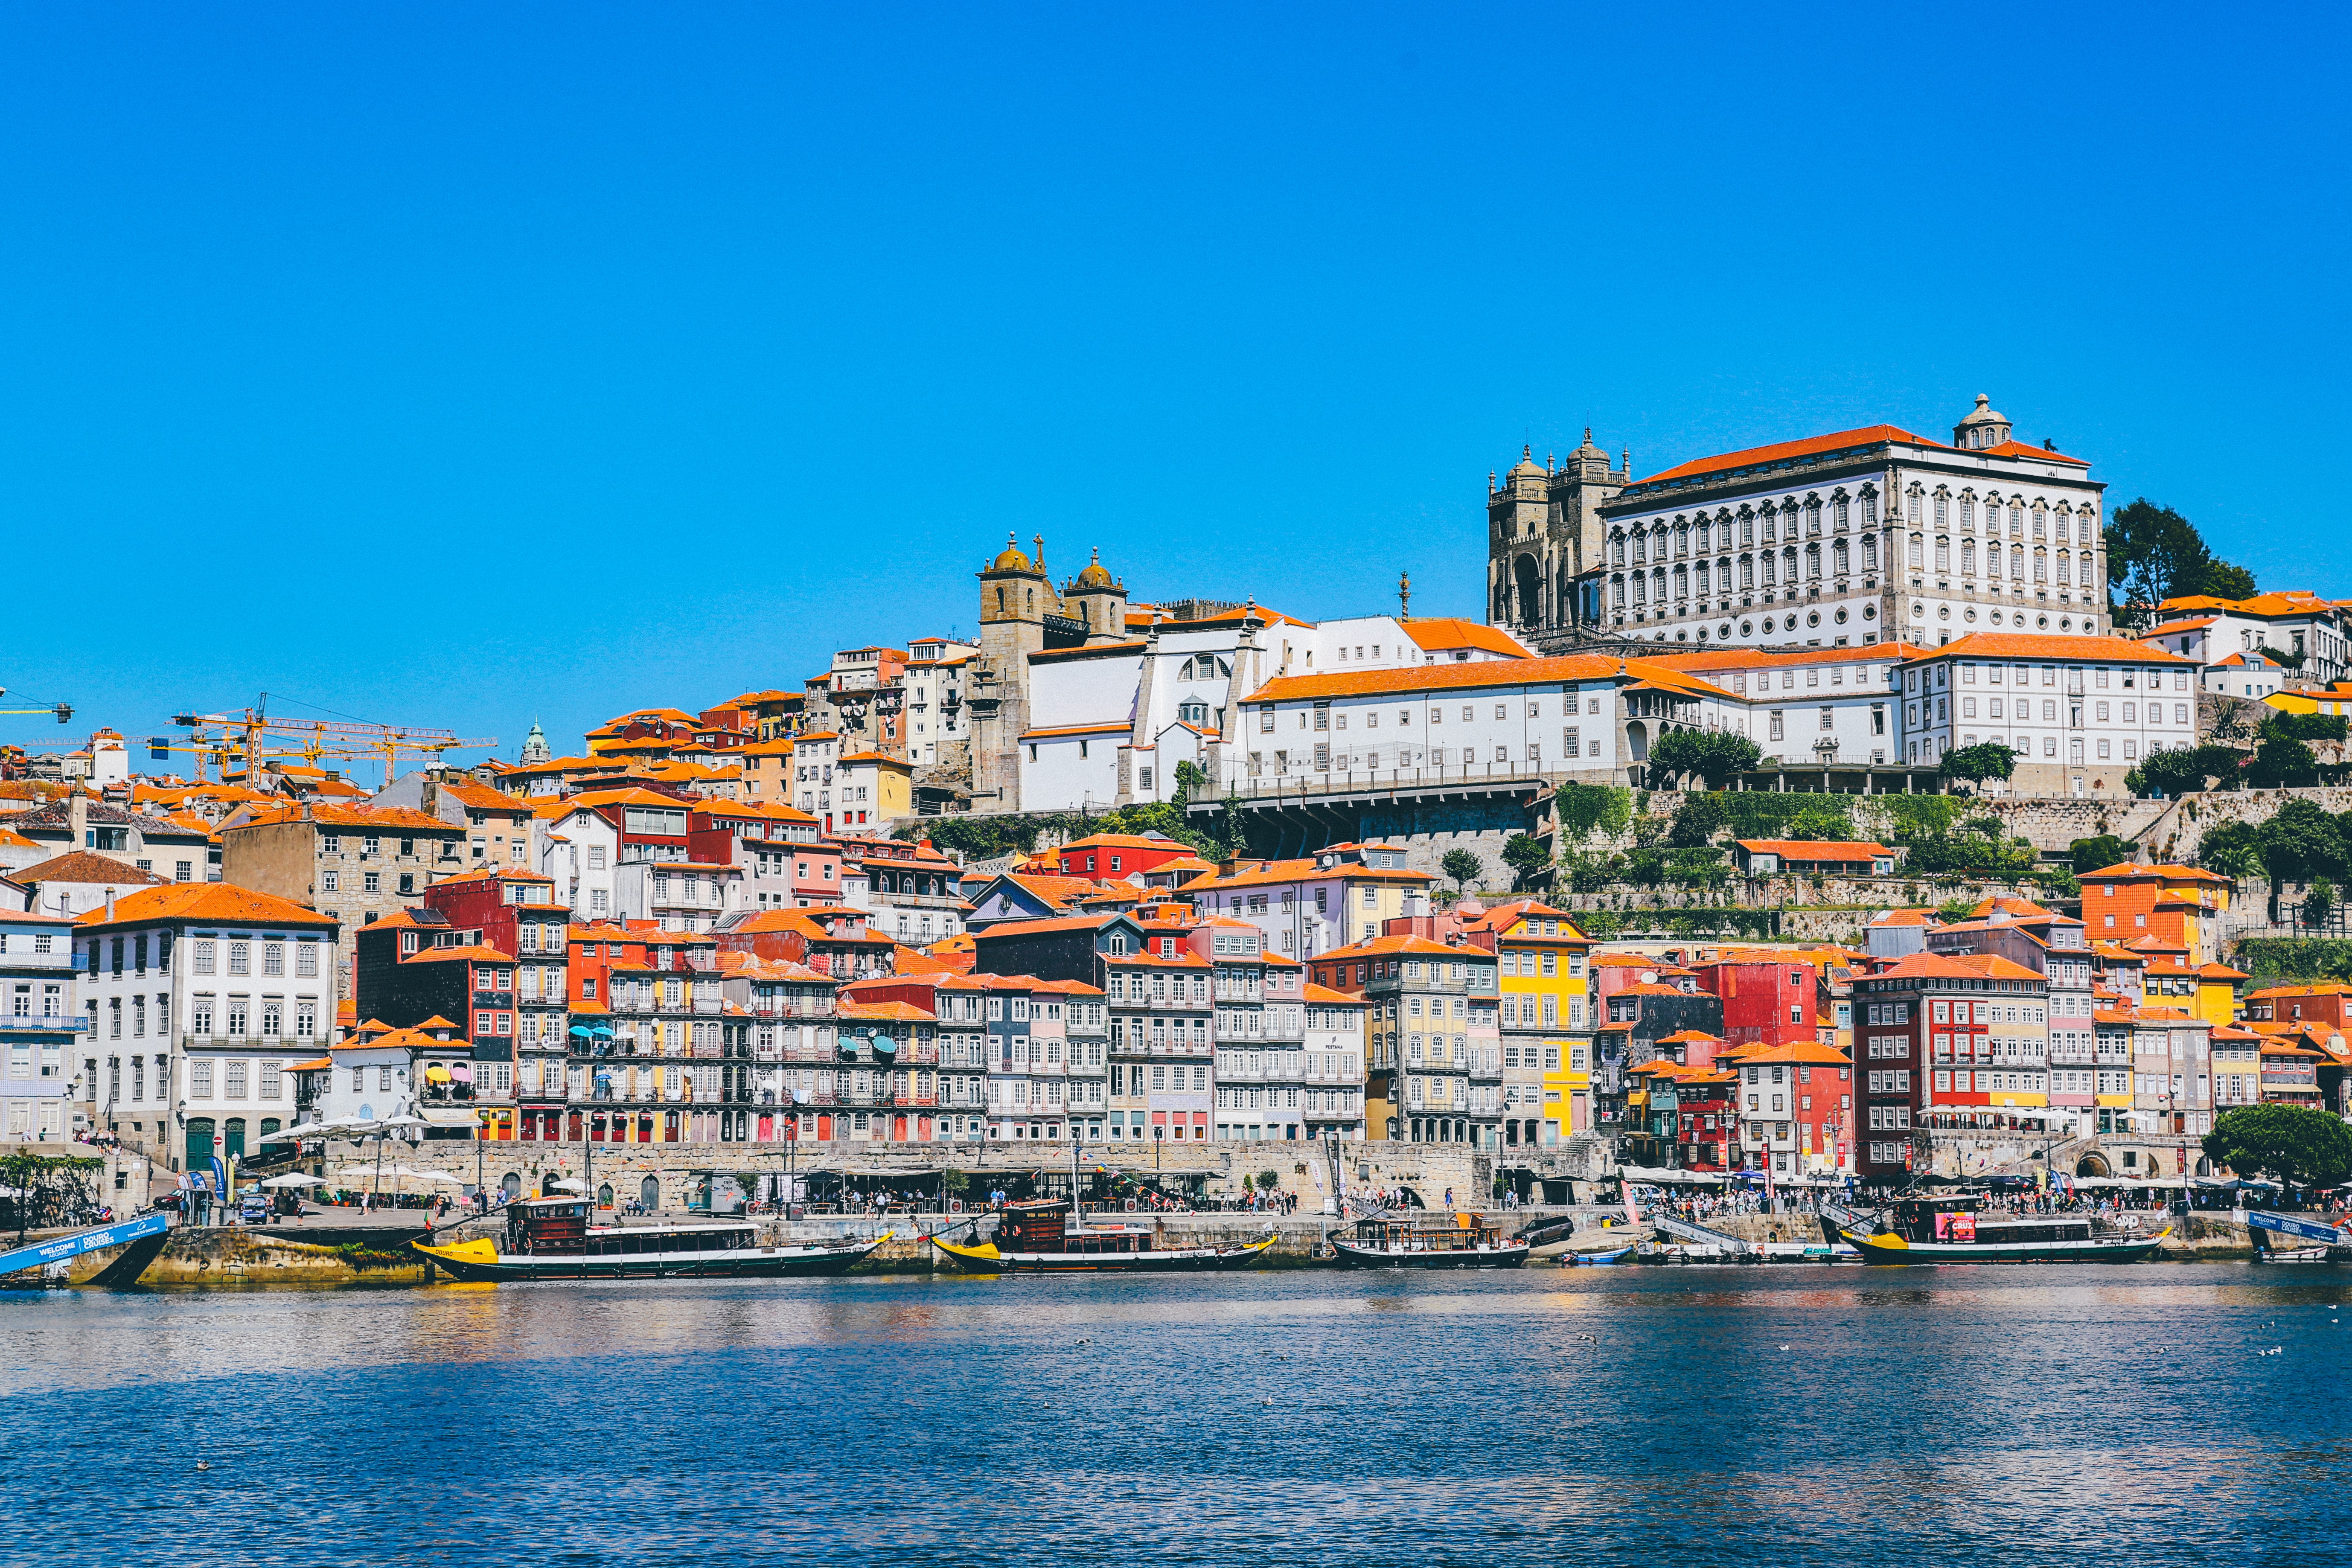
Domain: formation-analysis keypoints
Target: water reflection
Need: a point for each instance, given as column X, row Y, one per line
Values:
column 1625, row 1415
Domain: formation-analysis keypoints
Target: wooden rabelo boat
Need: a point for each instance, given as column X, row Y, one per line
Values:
column 551, row 1238
column 1040, row 1238
column 1455, row 1241
column 1952, row 1230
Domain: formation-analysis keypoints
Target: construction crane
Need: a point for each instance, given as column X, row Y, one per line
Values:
column 64, row 710
column 253, row 736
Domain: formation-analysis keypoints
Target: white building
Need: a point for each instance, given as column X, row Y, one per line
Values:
column 2293, row 622
column 681, row 895
column 41, row 1029
column 1585, row 717
column 2080, row 711
column 1335, row 1062
column 200, row 999
column 1856, row 537
column 1813, row 708
column 936, row 670
column 580, row 852
column 1109, row 723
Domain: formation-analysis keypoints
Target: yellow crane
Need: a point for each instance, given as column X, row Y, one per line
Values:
column 253, row 736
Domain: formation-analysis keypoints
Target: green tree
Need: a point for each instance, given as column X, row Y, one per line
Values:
column 1992, row 760
column 1697, row 820
column 1718, row 756
column 1267, row 1181
column 2319, row 903
column 2283, row 762
column 2232, row 849
column 1524, row 853
column 2182, row 770
column 1462, row 866
column 1818, row 823
column 2306, row 726
column 2301, row 842
column 2291, row 1142
column 2153, row 553
column 2098, row 854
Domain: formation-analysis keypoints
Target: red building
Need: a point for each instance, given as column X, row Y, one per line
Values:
column 1110, row 857
column 1931, row 1014
column 1796, row 1109
column 1768, row 997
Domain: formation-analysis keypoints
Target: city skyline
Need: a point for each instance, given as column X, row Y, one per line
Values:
column 479, row 319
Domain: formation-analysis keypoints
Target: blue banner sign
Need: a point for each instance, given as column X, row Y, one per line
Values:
column 60, row 1249
column 2263, row 1219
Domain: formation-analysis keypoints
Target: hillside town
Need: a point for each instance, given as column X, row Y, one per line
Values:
column 1802, row 813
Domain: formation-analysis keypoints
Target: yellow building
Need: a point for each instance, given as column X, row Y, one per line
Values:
column 1547, row 1017
column 870, row 789
column 2217, row 994
column 2333, row 698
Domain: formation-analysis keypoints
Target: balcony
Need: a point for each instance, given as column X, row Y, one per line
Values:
column 61, row 1024
column 787, row 1009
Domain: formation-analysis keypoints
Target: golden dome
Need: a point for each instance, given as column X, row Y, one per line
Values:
column 1012, row 560
column 1095, row 577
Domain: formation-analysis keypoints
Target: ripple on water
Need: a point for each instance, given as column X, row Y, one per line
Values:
column 1670, row 1415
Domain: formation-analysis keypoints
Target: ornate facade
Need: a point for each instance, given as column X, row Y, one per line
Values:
column 1842, row 539
column 1021, row 614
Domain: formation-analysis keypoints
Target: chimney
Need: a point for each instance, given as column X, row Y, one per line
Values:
column 109, row 905
column 77, row 820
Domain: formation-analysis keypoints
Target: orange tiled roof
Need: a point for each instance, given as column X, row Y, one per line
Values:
column 208, row 901
column 1415, row 678
column 1783, row 451
column 1444, row 632
column 2025, row 645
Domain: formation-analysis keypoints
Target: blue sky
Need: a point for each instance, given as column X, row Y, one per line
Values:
column 468, row 365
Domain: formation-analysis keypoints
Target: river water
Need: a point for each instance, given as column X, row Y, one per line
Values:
column 1637, row 1416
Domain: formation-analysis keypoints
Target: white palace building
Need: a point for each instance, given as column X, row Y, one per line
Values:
column 1846, row 540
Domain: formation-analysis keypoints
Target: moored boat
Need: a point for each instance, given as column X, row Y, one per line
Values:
column 1040, row 1238
column 1952, row 1230
column 1550, row 1239
column 551, row 1238
column 1459, row 1241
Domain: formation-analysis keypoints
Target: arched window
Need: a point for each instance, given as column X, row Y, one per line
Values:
column 605, row 1195
column 649, row 1195
column 1033, row 601
column 1000, row 599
